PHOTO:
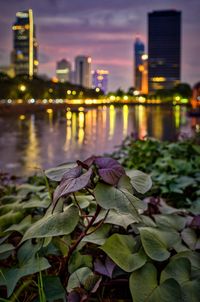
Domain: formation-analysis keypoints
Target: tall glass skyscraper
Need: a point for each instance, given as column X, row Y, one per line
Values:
column 25, row 57
column 138, row 52
column 83, row 71
column 164, row 47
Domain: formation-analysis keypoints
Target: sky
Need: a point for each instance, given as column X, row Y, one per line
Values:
column 103, row 29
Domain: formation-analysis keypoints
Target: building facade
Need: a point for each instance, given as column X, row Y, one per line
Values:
column 83, row 71
column 63, row 71
column 164, row 49
column 25, row 48
column 138, row 52
column 100, row 79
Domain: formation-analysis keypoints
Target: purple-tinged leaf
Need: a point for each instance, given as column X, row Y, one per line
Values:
column 71, row 182
column 89, row 161
column 72, row 173
column 109, row 170
column 106, row 268
column 74, row 297
column 195, row 224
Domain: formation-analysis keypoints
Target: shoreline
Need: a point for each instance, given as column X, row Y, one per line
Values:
column 16, row 109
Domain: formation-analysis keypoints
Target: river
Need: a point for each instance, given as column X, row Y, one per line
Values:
column 37, row 141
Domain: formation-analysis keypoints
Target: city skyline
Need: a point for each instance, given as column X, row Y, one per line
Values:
column 99, row 30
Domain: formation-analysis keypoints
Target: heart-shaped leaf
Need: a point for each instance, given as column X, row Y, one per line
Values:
column 124, row 253
column 140, row 181
column 55, row 224
column 72, row 181
column 109, row 170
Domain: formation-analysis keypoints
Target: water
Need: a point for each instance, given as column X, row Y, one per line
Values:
column 43, row 140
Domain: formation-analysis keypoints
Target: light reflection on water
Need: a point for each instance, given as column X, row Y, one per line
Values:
column 43, row 140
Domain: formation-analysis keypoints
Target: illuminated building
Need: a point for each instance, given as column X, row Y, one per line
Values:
column 83, row 71
column 63, row 71
column 164, row 45
column 25, row 57
column 144, row 82
column 139, row 51
column 100, row 79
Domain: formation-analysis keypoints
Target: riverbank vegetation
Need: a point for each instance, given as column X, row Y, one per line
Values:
column 105, row 230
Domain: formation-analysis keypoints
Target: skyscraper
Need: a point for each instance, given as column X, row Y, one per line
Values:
column 25, row 46
column 63, row 71
column 138, row 52
column 83, row 71
column 164, row 39
column 100, row 79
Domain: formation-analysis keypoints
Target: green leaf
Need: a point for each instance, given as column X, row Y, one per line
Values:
column 192, row 256
column 10, row 277
column 142, row 282
column 78, row 278
column 6, row 247
column 78, row 260
column 156, row 242
column 140, row 181
column 116, row 218
column 178, row 269
column 171, row 221
column 53, row 289
column 168, row 291
column 22, row 226
column 109, row 197
column 24, row 189
column 57, row 173
column 190, row 291
column 191, row 239
column 55, row 224
column 121, row 249
column 99, row 236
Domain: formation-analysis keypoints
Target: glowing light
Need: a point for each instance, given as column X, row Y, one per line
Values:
column 141, row 68
column 22, row 88
column 49, row 111
column 81, row 109
column 97, row 89
column 74, row 92
column 89, row 60
column 125, row 120
column 177, row 116
column 68, row 115
column 144, row 57
column 69, row 92
column 22, row 117
column 112, row 98
column 36, row 63
column 158, row 79
column 54, row 80
column 125, row 98
column 136, row 92
column 112, row 116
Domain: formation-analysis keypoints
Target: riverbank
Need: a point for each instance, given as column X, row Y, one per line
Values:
column 16, row 109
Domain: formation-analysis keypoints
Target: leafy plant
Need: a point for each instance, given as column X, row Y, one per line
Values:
column 174, row 168
column 98, row 239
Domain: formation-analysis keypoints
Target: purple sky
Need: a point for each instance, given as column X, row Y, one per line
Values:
column 103, row 29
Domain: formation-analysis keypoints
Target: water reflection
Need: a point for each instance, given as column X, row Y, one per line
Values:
column 46, row 139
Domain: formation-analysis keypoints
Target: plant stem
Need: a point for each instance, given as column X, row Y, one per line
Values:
column 64, row 269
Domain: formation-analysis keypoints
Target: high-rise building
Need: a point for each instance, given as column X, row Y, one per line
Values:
column 100, row 79
column 138, row 52
column 83, row 71
column 63, row 71
column 164, row 39
column 25, row 46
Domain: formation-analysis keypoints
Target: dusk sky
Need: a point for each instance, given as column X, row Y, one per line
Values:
column 103, row 29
